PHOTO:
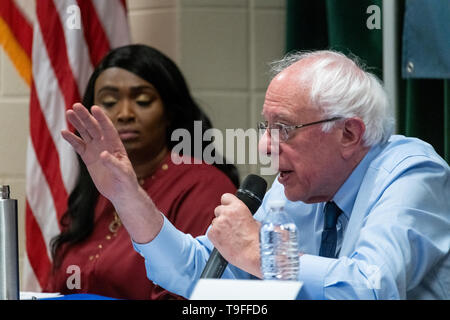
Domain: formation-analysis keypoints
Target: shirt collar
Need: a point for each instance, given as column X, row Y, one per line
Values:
column 346, row 195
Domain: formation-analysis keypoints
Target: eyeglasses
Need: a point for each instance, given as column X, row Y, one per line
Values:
column 285, row 130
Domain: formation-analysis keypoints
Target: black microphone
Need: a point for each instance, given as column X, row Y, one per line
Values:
column 251, row 192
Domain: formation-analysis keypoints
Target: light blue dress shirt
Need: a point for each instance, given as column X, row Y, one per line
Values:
column 393, row 235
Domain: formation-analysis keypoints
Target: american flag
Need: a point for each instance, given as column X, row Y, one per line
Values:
column 55, row 50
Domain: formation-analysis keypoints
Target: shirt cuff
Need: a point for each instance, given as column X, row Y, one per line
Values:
column 313, row 270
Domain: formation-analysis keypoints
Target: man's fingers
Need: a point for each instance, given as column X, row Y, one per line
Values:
column 86, row 121
column 227, row 198
column 110, row 134
column 229, row 203
column 78, row 125
column 218, row 210
column 76, row 143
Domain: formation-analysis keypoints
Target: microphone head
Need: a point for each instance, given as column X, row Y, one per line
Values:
column 254, row 184
column 252, row 191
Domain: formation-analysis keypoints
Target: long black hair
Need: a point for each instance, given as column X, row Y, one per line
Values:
column 181, row 111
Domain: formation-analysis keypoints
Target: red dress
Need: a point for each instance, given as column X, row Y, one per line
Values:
column 186, row 194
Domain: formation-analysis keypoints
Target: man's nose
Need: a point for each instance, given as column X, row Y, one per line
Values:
column 269, row 143
column 264, row 145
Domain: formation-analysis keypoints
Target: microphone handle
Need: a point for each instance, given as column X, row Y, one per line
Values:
column 215, row 266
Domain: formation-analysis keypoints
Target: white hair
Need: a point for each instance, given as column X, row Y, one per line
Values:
column 339, row 86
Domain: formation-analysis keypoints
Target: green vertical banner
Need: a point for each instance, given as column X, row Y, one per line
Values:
column 306, row 25
column 339, row 25
column 354, row 27
column 423, row 111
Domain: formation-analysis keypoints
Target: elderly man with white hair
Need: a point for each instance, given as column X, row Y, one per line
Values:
column 390, row 194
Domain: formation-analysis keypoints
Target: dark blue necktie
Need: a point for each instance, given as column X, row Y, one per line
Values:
column 329, row 234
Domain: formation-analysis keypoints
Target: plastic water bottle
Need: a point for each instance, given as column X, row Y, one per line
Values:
column 279, row 245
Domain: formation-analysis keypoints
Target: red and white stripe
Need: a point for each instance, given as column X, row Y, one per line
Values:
column 62, row 61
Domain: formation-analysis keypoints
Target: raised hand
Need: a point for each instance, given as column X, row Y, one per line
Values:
column 101, row 149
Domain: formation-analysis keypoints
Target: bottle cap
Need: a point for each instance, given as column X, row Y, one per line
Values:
column 276, row 204
column 4, row 192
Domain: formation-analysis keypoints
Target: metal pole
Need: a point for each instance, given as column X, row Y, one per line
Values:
column 391, row 70
column 9, row 257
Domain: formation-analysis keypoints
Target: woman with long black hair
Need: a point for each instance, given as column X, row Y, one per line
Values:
column 146, row 97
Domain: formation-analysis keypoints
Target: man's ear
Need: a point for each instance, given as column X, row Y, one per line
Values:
column 352, row 133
